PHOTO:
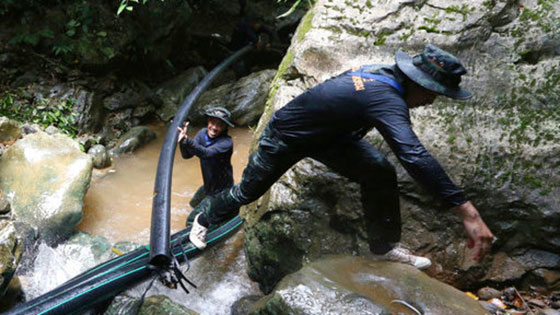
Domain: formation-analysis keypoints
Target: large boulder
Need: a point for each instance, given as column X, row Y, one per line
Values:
column 132, row 140
column 501, row 146
column 245, row 99
column 9, row 131
column 45, row 178
column 355, row 285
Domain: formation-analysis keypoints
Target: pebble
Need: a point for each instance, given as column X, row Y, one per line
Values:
column 488, row 293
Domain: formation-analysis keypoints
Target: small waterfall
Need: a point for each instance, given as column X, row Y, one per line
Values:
column 54, row 266
column 220, row 275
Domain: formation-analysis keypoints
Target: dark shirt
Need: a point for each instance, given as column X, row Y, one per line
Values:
column 245, row 34
column 215, row 159
column 343, row 109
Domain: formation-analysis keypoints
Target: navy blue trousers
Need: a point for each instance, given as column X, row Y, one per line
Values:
column 355, row 159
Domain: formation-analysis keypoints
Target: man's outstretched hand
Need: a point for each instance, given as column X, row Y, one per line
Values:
column 182, row 132
column 479, row 235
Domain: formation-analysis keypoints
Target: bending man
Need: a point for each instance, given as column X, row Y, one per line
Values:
column 327, row 123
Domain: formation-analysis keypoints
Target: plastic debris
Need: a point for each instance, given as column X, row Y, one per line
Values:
column 498, row 303
column 116, row 251
column 472, row 295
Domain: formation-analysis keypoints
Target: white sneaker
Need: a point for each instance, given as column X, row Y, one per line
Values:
column 402, row 255
column 198, row 234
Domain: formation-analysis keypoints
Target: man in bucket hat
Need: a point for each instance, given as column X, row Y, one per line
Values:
column 327, row 123
column 214, row 148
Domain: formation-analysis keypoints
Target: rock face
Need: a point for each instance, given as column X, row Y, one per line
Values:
column 132, row 140
column 354, row 285
column 45, row 178
column 245, row 99
column 159, row 304
column 173, row 92
column 501, row 146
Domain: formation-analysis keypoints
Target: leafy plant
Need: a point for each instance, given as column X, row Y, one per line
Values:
column 63, row 46
column 23, row 37
column 125, row 5
column 44, row 113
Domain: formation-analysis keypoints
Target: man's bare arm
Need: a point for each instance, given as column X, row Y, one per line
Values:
column 479, row 235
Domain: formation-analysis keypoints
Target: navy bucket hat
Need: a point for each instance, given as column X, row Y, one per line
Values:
column 220, row 113
column 436, row 70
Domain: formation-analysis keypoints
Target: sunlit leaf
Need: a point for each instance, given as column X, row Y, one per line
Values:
column 122, row 6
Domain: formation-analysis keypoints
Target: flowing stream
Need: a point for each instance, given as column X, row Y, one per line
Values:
column 118, row 207
column 118, row 204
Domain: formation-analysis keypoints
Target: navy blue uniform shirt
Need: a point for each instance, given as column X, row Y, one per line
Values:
column 215, row 159
column 344, row 107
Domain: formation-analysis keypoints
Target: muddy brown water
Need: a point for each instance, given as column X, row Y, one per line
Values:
column 118, row 204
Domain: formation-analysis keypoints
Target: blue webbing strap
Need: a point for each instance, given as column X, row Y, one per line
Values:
column 378, row 77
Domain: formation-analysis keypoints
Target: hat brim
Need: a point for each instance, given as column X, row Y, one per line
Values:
column 222, row 119
column 425, row 80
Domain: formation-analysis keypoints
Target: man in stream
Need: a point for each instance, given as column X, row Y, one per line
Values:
column 214, row 148
column 327, row 123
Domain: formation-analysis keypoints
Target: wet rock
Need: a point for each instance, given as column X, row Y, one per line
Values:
column 9, row 131
column 101, row 158
column 546, row 278
column 244, row 305
column 121, row 305
column 245, row 99
column 29, row 129
column 10, row 253
column 78, row 254
column 98, row 246
column 52, row 130
column 504, row 268
column 117, row 123
column 488, row 293
column 490, row 307
column 121, row 100
column 4, row 204
column 355, row 285
column 12, row 295
column 305, row 219
column 132, row 140
column 90, row 111
column 45, row 179
column 159, row 305
column 173, row 92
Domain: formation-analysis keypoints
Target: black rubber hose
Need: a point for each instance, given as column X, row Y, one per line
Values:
column 88, row 292
column 118, row 262
column 160, row 227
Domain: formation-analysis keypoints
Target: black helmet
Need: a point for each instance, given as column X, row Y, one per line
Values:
column 220, row 113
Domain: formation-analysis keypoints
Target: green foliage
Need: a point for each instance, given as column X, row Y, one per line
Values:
column 63, row 46
column 44, row 113
column 126, row 5
column 380, row 39
column 429, row 29
column 463, row 10
column 23, row 37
